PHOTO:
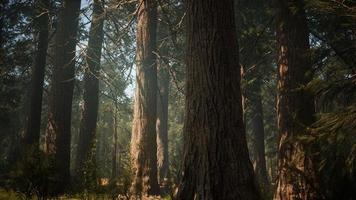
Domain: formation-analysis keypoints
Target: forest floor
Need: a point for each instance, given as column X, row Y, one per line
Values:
column 12, row 195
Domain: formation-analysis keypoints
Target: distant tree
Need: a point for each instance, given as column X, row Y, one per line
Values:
column 256, row 52
column 258, row 134
column 86, row 143
column 296, row 178
column 32, row 133
column 114, row 153
column 162, row 122
column 170, row 96
column 16, row 60
column 216, row 161
column 162, row 106
column 58, row 133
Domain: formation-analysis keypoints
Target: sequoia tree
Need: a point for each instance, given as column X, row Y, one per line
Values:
column 115, row 149
column 162, row 122
column 162, row 104
column 32, row 133
column 58, row 133
column 91, row 90
column 295, row 102
column 143, row 141
column 258, row 133
column 216, row 161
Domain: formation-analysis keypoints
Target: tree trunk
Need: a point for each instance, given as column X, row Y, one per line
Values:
column 91, row 91
column 216, row 161
column 295, row 103
column 115, row 150
column 162, row 122
column 243, row 93
column 258, row 135
column 143, row 143
column 32, row 133
column 59, row 120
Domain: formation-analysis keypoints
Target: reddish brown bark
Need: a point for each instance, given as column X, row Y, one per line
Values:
column 216, row 161
column 143, row 142
column 295, row 103
column 58, row 132
column 162, row 123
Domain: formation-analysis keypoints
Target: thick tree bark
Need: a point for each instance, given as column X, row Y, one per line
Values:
column 162, row 122
column 216, row 161
column 295, row 103
column 32, row 133
column 59, row 120
column 143, row 143
column 91, row 90
column 258, row 134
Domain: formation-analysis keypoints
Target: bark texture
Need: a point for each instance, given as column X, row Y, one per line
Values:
column 216, row 161
column 59, row 120
column 91, row 90
column 143, row 143
column 295, row 103
column 162, row 123
column 32, row 134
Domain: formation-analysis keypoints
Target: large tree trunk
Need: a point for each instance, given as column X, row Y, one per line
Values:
column 32, row 133
column 162, row 122
column 143, row 143
column 91, row 91
column 258, row 134
column 216, row 161
column 295, row 103
column 59, row 119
